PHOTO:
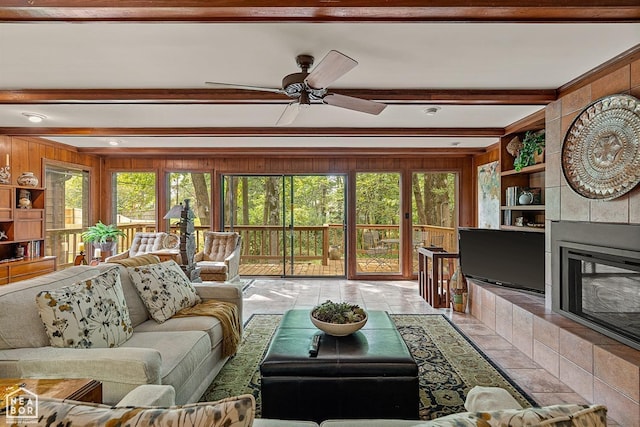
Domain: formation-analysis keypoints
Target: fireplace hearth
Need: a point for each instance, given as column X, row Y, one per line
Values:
column 596, row 277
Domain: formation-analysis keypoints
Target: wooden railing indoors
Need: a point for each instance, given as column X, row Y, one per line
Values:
column 264, row 243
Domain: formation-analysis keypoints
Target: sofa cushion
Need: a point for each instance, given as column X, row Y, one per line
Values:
column 19, row 313
column 90, row 314
column 236, row 411
column 208, row 324
column 548, row 416
column 214, row 267
column 164, row 289
column 181, row 352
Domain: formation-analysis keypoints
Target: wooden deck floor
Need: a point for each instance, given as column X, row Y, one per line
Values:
column 333, row 268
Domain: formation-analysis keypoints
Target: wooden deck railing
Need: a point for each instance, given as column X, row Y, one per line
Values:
column 264, row 243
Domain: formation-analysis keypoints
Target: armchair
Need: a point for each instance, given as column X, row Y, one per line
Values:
column 142, row 243
column 220, row 259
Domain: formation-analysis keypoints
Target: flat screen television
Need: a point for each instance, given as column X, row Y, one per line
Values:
column 503, row 257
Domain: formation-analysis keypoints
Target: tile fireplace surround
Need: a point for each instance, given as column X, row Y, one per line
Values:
column 598, row 368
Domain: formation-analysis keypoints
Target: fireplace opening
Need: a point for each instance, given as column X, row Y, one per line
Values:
column 603, row 291
column 596, row 272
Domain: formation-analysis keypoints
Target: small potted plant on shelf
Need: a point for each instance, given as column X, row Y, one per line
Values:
column 338, row 318
column 532, row 146
column 103, row 236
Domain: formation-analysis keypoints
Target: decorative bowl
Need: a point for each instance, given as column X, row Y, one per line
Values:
column 338, row 329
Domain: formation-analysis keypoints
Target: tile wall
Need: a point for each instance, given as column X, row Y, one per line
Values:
column 596, row 367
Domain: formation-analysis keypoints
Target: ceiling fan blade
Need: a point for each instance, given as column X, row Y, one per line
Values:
column 289, row 114
column 333, row 66
column 351, row 103
column 247, row 87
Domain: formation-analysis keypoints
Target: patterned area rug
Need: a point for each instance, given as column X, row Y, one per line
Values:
column 449, row 365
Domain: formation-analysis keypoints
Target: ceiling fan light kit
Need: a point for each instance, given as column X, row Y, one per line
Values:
column 34, row 117
column 307, row 87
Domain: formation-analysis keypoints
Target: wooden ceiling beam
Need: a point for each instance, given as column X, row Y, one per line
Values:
column 238, row 96
column 320, row 11
column 287, row 152
column 253, row 131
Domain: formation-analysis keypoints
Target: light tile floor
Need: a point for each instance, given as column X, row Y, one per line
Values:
column 275, row 296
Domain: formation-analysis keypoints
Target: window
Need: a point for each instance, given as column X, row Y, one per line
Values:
column 67, row 210
column 195, row 186
column 434, row 211
column 134, row 202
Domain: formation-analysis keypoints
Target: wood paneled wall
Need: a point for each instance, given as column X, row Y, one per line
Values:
column 263, row 163
column 28, row 154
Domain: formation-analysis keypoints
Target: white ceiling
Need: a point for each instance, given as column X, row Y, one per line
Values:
column 391, row 56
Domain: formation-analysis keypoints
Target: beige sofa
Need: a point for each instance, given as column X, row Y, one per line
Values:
column 487, row 406
column 182, row 352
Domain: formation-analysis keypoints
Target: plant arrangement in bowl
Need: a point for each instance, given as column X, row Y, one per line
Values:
column 338, row 318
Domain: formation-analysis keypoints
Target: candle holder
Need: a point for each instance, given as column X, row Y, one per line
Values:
column 95, row 261
column 5, row 175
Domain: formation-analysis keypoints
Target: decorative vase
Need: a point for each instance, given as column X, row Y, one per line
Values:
column 526, row 198
column 24, row 199
column 459, row 302
column 5, row 175
column 27, row 179
column 458, row 288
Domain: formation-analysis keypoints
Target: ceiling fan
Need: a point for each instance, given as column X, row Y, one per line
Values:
column 306, row 86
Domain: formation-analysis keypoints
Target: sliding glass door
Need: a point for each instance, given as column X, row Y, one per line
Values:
column 291, row 225
column 434, row 212
column 378, row 236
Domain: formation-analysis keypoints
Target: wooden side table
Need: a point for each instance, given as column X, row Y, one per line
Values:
column 435, row 266
column 80, row 389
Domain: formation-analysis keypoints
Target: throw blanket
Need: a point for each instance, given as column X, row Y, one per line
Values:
column 137, row 260
column 227, row 314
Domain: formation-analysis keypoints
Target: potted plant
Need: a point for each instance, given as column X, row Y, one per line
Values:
column 103, row 236
column 338, row 318
column 532, row 145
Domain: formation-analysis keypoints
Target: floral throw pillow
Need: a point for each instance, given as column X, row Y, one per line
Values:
column 164, row 289
column 568, row 415
column 236, row 411
column 89, row 314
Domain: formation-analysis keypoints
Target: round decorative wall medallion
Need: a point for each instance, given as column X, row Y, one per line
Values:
column 601, row 150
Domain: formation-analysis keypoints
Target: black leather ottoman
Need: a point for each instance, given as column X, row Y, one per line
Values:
column 369, row 374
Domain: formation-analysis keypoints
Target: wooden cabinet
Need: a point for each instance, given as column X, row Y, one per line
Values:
column 22, row 227
column 514, row 214
column 14, row 271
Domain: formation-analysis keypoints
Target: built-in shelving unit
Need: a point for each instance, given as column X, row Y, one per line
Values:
column 22, row 234
column 516, row 216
